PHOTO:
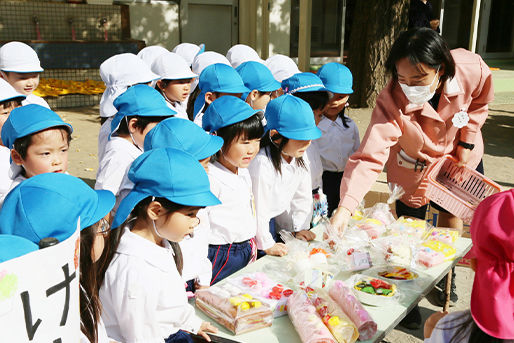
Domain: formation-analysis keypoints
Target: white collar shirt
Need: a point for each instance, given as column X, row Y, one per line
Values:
column 233, row 221
column 179, row 107
column 337, row 143
column 119, row 155
column 143, row 295
column 34, row 99
column 290, row 191
column 313, row 162
column 195, row 251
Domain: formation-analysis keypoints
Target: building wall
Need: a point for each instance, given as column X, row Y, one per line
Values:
column 157, row 23
column 279, row 27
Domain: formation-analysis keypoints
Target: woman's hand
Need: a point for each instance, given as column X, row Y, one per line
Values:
column 279, row 249
column 305, row 235
column 340, row 218
column 431, row 322
column 462, row 156
column 207, row 327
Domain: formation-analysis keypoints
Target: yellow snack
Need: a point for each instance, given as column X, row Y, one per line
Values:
column 256, row 304
column 357, row 215
column 334, row 321
column 244, row 306
column 235, row 301
column 247, row 296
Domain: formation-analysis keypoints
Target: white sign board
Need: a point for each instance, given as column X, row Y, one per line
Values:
column 39, row 295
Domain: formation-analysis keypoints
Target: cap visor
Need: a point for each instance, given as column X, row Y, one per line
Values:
column 311, row 89
column 126, row 206
column 24, row 69
column 106, row 201
column 202, row 199
column 213, row 146
column 337, row 89
column 303, row 135
column 181, row 76
column 14, row 97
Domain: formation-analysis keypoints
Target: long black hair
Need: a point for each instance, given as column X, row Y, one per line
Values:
column 421, row 45
column 274, row 150
column 90, row 306
column 141, row 123
column 139, row 211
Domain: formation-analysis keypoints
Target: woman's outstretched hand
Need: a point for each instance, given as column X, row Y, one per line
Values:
column 340, row 218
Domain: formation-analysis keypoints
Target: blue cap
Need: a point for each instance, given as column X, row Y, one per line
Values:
column 303, row 82
column 182, row 134
column 336, row 77
column 226, row 111
column 292, row 117
column 166, row 173
column 221, row 78
column 15, row 246
column 29, row 119
column 49, row 205
column 140, row 100
column 257, row 76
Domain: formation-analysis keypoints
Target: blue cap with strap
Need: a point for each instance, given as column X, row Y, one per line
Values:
column 166, row 173
column 140, row 100
column 182, row 134
column 220, row 78
column 292, row 117
column 303, row 82
column 226, row 111
column 29, row 119
column 49, row 205
column 336, row 77
column 256, row 76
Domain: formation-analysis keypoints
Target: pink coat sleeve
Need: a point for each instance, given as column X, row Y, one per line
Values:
column 478, row 109
column 365, row 165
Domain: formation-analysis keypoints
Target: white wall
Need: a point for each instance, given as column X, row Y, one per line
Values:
column 156, row 23
column 280, row 23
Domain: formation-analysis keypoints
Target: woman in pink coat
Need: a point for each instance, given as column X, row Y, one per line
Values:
column 435, row 104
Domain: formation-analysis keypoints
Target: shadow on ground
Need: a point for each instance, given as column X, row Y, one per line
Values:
column 498, row 133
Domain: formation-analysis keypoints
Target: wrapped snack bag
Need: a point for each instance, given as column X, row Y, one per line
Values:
column 410, row 228
column 306, row 320
column 373, row 227
column 448, row 236
column 261, row 285
column 345, row 298
column 341, row 327
column 238, row 312
column 432, row 253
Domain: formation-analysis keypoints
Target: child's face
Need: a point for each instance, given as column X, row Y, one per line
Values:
column 259, row 101
column 24, row 83
column 239, row 153
column 5, row 110
column 336, row 105
column 179, row 224
column 48, row 153
column 295, row 148
column 178, row 90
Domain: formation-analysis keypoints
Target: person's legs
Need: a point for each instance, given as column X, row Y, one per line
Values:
column 179, row 337
column 228, row 259
column 331, row 186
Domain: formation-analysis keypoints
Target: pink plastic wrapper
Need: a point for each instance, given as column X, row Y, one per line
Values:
column 306, row 320
column 344, row 297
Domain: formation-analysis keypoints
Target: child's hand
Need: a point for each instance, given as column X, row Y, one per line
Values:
column 207, row 327
column 198, row 286
column 431, row 322
column 305, row 235
column 279, row 249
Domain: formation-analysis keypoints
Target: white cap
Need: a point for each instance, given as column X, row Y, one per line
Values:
column 282, row 67
column 150, row 53
column 7, row 92
column 204, row 60
column 188, row 51
column 171, row 66
column 18, row 57
column 118, row 73
column 241, row 53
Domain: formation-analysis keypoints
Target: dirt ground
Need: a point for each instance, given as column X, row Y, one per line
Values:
column 498, row 133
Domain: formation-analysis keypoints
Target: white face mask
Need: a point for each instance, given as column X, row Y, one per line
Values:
column 418, row 95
